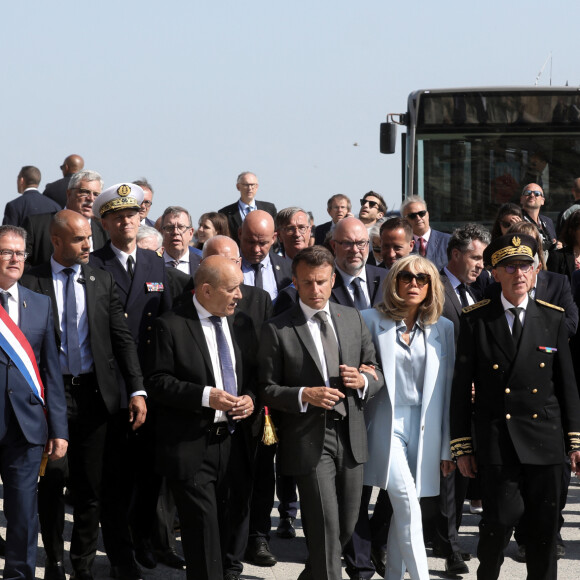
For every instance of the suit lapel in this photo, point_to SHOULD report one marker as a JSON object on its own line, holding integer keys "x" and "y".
{"x": 530, "y": 337}
{"x": 432, "y": 358}
{"x": 142, "y": 268}
{"x": 541, "y": 286}
{"x": 47, "y": 288}
{"x": 499, "y": 331}
{"x": 451, "y": 295}
{"x": 340, "y": 292}
{"x": 373, "y": 283}
{"x": 387, "y": 339}
{"x": 301, "y": 329}
{"x": 238, "y": 353}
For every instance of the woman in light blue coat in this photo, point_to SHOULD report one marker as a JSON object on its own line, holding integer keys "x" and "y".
{"x": 408, "y": 421}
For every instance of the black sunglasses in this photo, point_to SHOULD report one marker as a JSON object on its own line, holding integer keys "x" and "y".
{"x": 407, "y": 277}
{"x": 416, "y": 214}
{"x": 372, "y": 204}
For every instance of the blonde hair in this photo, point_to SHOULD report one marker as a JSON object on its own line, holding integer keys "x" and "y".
{"x": 394, "y": 307}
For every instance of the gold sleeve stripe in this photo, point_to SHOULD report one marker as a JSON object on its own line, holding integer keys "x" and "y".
{"x": 461, "y": 446}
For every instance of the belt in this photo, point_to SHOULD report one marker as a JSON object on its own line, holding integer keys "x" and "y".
{"x": 80, "y": 380}
{"x": 218, "y": 429}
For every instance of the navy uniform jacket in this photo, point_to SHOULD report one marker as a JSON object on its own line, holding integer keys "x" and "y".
{"x": 526, "y": 408}
{"x": 144, "y": 297}
{"x": 36, "y": 324}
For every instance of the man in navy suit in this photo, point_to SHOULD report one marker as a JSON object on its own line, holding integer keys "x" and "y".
{"x": 429, "y": 243}
{"x": 57, "y": 189}
{"x": 357, "y": 283}
{"x": 26, "y": 421}
{"x": 178, "y": 231}
{"x": 30, "y": 200}
{"x": 247, "y": 184}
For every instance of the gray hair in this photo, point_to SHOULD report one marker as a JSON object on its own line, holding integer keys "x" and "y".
{"x": 148, "y": 232}
{"x": 412, "y": 199}
{"x": 285, "y": 215}
{"x": 142, "y": 182}
{"x": 462, "y": 238}
{"x": 175, "y": 211}
{"x": 85, "y": 175}
{"x": 14, "y": 231}
{"x": 243, "y": 174}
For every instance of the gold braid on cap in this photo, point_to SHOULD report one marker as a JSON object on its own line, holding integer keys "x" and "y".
{"x": 510, "y": 251}
{"x": 119, "y": 203}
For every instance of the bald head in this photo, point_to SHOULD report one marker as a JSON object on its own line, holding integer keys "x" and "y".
{"x": 217, "y": 285}
{"x": 221, "y": 246}
{"x": 70, "y": 234}
{"x": 72, "y": 164}
{"x": 350, "y": 242}
{"x": 256, "y": 236}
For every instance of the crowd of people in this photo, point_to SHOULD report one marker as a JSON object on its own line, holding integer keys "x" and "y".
{"x": 156, "y": 374}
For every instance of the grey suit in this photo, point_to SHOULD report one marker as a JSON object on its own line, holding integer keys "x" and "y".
{"x": 325, "y": 455}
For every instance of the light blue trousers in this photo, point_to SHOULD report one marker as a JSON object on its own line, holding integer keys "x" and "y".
{"x": 405, "y": 547}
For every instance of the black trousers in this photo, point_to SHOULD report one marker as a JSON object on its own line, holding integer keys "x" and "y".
{"x": 202, "y": 505}
{"x": 82, "y": 471}
{"x": 514, "y": 493}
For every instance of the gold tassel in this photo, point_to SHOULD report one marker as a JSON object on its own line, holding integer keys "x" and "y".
{"x": 269, "y": 437}
{"x": 43, "y": 463}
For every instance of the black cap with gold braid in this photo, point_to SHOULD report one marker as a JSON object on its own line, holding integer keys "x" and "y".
{"x": 519, "y": 246}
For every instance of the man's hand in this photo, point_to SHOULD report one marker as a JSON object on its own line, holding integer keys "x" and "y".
{"x": 351, "y": 378}
{"x": 369, "y": 369}
{"x": 447, "y": 467}
{"x": 242, "y": 409}
{"x": 221, "y": 400}
{"x": 324, "y": 397}
{"x": 137, "y": 411}
{"x": 467, "y": 465}
{"x": 575, "y": 462}
{"x": 56, "y": 448}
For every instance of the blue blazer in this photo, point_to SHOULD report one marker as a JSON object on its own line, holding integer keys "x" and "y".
{"x": 379, "y": 412}
{"x": 436, "y": 248}
{"x": 30, "y": 202}
{"x": 36, "y": 323}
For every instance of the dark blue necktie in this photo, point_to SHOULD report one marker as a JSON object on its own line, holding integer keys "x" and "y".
{"x": 73, "y": 349}
{"x": 360, "y": 301}
{"x": 226, "y": 365}
{"x": 4, "y": 300}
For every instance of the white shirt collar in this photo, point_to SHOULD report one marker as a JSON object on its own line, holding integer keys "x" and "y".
{"x": 507, "y": 305}
{"x": 123, "y": 256}
{"x": 310, "y": 312}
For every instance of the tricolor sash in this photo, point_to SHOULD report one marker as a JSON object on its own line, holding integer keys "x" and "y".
{"x": 17, "y": 347}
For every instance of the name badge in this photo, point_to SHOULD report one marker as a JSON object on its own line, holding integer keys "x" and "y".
{"x": 154, "y": 286}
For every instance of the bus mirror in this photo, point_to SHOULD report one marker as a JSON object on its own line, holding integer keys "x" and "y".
{"x": 388, "y": 137}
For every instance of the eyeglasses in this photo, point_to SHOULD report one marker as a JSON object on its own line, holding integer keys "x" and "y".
{"x": 360, "y": 244}
{"x": 249, "y": 184}
{"x": 414, "y": 215}
{"x": 371, "y": 204}
{"x": 168, "y": 229}
{"x": 86, "y": 193}
{"x": 291, "y": 230}
{"x": 407, "y": 277}
{"x": 535, "y": 192}
{"x": 9, "y": 255}
{"x": 523, "y": 268}
{"x": 146, "y": 203}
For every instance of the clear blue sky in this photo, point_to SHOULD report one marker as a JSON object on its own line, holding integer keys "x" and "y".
{"x": 189, "y": 94}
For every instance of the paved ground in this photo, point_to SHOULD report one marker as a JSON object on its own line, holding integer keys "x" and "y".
{"x": 291, "y": 554}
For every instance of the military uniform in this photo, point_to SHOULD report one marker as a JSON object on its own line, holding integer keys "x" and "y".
{"x": 525, "y": 416}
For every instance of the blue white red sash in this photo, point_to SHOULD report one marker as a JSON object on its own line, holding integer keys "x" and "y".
{"x": 17, "y": 347}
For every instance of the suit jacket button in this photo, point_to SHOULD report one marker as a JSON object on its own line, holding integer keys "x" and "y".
{"x": 508, "y": 416}
{"x": 534, "y": 391}
{"x": 126, "y": 315}
{"x": 9, "y": 391}
{"x": 149, "y": 314}
{"x": 148, "y": 342}
{"x": 508, "y": 391}
{"x": 535, "y": 416}
{"x": 148, "y": 328}
{"x": 542, "y": 365}
{"x": 495, "y": 367}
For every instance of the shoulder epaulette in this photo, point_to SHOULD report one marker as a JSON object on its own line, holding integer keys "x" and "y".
{"x": 550, "y": 305}
{"x": 476, "y": 306}
{"x": 159, "y": 253}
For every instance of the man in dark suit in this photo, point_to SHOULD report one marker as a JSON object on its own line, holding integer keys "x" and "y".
{"x": 177, "y": 229}
{"x": 84, "y": 187}
{"x": 146, "y": 203}
{"x": 293, "y": 230}
{"x": 261, "y": 267}
{"x": 57, "y": 189}
{"x": 532, "y": 200}
{"x": 338, "y": 207}
{"x": 429, "y": 243}
{"x": 309, "y": 359}
{"x": 247, "y": 184}
{"x": 201, "y": 392}
{"x": 523, "y": 423}
{"x": 34, "y": 406}
{"x": 141, "y": 281}
{"x": 30, "y": 201}
{"x": 357, "y": 283}
{"x": 91, "y": 332}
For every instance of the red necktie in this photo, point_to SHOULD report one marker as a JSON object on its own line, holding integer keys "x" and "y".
{"x": 422, "y": 247}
